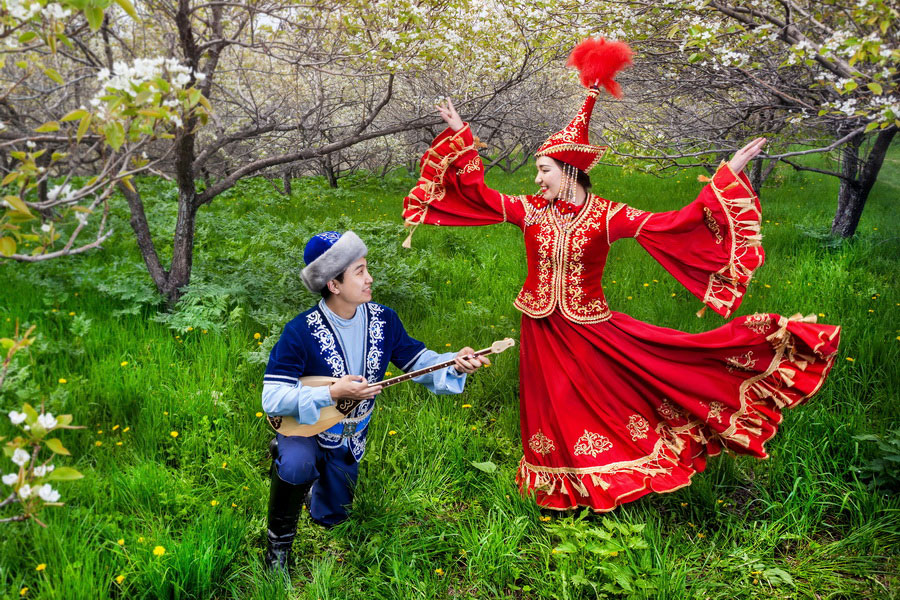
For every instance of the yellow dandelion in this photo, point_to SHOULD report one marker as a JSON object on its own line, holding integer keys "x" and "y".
{"x": 474, "y": 428}
{"x": 224, "y": 464}
{"x": 166, "y": 413}
{"x": 646, "y": 285}
{"x": 703, "y": 535}
{"x": 99, "y": 432}
{"x": 258, "y": 414}
{"x": 213, "y": 502}
{"x": 392, "y": 432}
{"x": 120, "y": 579}
{"x": 720, "y": 501}
{"x": 233, "y": 505}
{"x": 115, "y": 427}
{"x": 673, "y": 295}
{"x": 41, "y": 567}
{"x": 141, "y": 540}
{"x": 124, "y": 363}
{"x": 821, "y": 314}
{"x": 850, "y": 358}
{"x": 118, "y": 443}
{"x": 439, "y": 571}
{"x": 257, "y": 335}
{"x": 174, "y": 434}
{"x": 61, "y": 380}
{"x": 126, "y": 430}
{"x": 468, "y": 302}
{"x": 755, "y": 581}
{"x": 23, "y": 591}
{"x": 120, "y": 541}
{"x": 98, "y": 443}
{"x": 159, "y": 551}
{"x": 387, "y": 373}
{"x": 691, "y": 525}
{"x": 71, "y": 314}
{"x": 628, "y": 298}
{"x": 614, "y": 553}
{"x": 448, "y": 345}
{"x": 545, "y": 519}
{"x": 190, "y": 328}
{"x": 683, "y": 504}
{"x": 205, "y": 331}
{"x": 467, "y": 406}
{"x": 767, "y": 285}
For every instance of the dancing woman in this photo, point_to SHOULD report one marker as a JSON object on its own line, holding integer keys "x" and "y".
{"x": 613, "y": 408}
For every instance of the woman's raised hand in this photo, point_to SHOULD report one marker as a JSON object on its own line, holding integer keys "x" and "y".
{"x": 449, "y": 114}
{"x": 745, "y": 155}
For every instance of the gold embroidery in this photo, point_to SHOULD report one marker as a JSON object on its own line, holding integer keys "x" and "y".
{"x": 759, "y": 323}
{"x": 712, "y": 224}
{"x": 744, "y": 362}
{"x": 633, "y": 213}
{"x": 592, "y": 443}
{"x": 669, "y": 411}
{"x": 470, "y": 167}
{"x": 715, "y": 411}
{"x": 572, "y": 268}
{"x": 541, "y": 444}
{"x": 638, "y": 427}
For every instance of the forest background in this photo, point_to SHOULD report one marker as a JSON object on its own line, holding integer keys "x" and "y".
{"x": 164, "y": 164}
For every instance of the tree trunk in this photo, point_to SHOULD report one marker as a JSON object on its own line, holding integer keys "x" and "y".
{"x": 145, "y": 244}
{"x": 328, "y": 170}
{"x": 182, "y": 248}
{"x": 857, "y": 182}
{"x": 286, "y": 178}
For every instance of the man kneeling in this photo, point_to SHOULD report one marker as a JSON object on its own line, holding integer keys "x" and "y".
{"x": 349, "y": 337}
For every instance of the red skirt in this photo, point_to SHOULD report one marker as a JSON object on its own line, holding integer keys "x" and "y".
{"x": 618, "y": 409}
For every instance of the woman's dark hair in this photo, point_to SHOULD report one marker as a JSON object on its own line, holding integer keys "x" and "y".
{"x": 326, "y": 292}
{"x": 580, "y": 176}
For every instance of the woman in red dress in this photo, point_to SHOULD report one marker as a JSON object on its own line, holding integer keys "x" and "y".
{"x": 613, "y": 408}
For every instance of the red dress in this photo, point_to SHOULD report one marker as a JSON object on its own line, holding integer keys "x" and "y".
{"x": 613, "y": 408}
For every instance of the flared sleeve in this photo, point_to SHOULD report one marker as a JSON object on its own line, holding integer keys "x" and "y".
{"x": 712, "y": 246}
{"x": 451, "y": 188}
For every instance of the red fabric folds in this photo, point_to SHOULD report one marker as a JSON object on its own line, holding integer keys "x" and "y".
{"x": 615, "y": 410}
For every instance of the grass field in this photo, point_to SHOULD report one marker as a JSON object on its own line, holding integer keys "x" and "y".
{"x": 426, "y": 523}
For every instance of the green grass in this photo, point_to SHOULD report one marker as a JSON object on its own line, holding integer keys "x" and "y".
{"x": 426, "y": 523}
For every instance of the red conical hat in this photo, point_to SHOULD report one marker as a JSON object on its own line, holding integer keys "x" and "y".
{"x": 598, "y": 61}
{"x": 571, "y": 144}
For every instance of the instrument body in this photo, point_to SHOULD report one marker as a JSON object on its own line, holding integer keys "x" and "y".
{"x": 332, "y": 415}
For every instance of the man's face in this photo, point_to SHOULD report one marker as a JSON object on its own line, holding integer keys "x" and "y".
{"x": 357, "y": 285}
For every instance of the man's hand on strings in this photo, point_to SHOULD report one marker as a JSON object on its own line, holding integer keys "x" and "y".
{"x": 467, "y": 362}
{"x": 745, "y": 155}
{"x": 354, "y": 387}
{"x": 449, "y": 114}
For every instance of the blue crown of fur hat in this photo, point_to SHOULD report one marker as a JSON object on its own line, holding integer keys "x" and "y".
{"x": 327, "y": 255}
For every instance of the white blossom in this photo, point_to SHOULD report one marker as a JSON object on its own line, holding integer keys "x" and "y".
{"x": 55, "y": 11}
{"x": 16, "y": 417}
{"x": 10, "y": 479}
{"x": 24, "y": 491}
{"x": 20, "y": 457}
{"x": 47, "y": 493}
{"x": 40, "y": 471}
{"x": 47, "y": 421}
{"x": 82, "y": 218}
{"x": 46, "y": 227}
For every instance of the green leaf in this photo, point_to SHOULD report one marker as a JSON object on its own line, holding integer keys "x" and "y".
{"x": 777, "y": 576}
{"x": 48, "y": 126}
{"x": 64, "y": 420}
{"x": 54, "y": 75}
{"x": 6, "y": 342}
{"x": 94, "y": 16}
{"x": 850, "y": 86}
{"x": 7, "y": 246}
{"x": 115, "y": 134}
{"x": 875, "y": 87}
{"x": 487, "y": 467}
{"x": 75, "y": 115}
{"x": 83, "y": 127}
{"x": 30, "y": 414}
{"x": 56, "y": 446}
{"x": 566, "y": 548}
{"x": 64, "y": 474}
{"x": 128, "y": 7}
{"x": 17, "y": 203}
{"x": 871, "y": 126}
{"x": 27, "y": 37}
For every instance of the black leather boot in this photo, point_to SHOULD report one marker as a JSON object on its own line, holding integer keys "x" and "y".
{"x": 285, "y": 502}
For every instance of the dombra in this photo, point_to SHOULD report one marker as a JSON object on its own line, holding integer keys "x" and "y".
{"x": 332, "y": 415}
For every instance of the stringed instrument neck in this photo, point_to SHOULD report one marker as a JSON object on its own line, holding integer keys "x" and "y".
{"x": 407, "y": 376}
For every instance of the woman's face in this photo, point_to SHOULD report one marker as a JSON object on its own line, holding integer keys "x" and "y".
{"x": 549, "y": 177}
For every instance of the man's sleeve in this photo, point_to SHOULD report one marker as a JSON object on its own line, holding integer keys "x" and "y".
{"x": 283, "y": 394}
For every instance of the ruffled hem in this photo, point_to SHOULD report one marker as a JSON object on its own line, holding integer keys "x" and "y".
{"x": 804, "y": 354}
{"x": 741, "y": 211}
{"x": 443, "y": 152}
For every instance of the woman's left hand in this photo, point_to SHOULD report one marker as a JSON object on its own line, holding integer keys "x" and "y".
{"x": 745, "y": 155}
